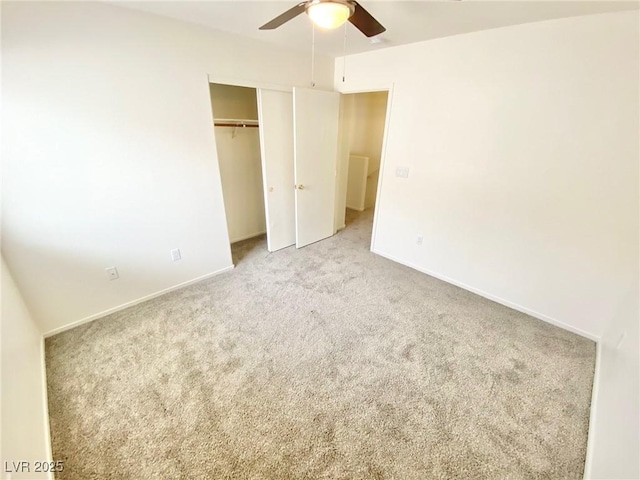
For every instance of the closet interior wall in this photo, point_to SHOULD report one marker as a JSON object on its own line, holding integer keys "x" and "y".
{"x": 238, "y": 151}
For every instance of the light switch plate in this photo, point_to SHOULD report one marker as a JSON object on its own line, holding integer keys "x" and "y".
{"x": 402, "y": 172}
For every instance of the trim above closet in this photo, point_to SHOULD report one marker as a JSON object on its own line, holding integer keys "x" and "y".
{"x": 238, "y": 82}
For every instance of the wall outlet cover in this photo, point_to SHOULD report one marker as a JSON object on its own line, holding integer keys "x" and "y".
{"x": 112, "y": 273}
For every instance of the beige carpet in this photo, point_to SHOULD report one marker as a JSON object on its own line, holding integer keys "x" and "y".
{"x": 326, "y": 362}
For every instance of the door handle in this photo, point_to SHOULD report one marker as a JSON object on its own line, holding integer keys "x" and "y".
{"x": 300, "y": 187}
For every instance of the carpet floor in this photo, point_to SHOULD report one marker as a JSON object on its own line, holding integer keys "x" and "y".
{"x": 327, "y": 362}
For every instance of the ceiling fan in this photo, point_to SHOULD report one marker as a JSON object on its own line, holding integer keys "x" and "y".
{"x": 331, "y": 14}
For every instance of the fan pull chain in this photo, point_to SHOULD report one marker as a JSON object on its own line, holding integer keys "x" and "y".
{"x": 344, "y": 54}
{"x": 313, "y": 54}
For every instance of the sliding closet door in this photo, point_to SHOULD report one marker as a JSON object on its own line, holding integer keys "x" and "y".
{"x": 315, "y": 120}
{"x": 275, "y": 113}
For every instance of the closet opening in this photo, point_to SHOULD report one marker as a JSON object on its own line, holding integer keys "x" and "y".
{"x": 364, "y": 122}
{"x": 235, "y": 114}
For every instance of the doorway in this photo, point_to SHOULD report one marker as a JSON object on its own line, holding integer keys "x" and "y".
{"x": 363, "y": 129}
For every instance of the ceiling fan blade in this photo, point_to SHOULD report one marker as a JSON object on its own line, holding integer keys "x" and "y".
{"x": 364, "y": 22}
{"x": 285, "y": 17}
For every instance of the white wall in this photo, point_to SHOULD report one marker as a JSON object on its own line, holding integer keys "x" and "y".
{"x": 239, "y": 159}
{"x": 370, "y": 110}
{"x": 345, "y": 134}
{"x": 109, "y": 153}
{"x": 231, "y": 101}
{"x": 25, "y": 425}
{"x": 614, "y": 443}
{"x": 241, "y": 175}
{"x": 522, "y": 144}
{"x": 357, "y": 182}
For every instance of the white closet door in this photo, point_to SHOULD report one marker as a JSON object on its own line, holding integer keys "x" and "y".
{"x": 315, "y": 120}
{"x": 275, "y": 113}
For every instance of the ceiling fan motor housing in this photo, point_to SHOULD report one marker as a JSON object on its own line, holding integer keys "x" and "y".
{"x": 329, "y": 14}
{"x": 349, "y": 4}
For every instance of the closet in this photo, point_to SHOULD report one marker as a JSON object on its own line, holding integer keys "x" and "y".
{"x": 236, "y": 127}
{"x": 277, "y": 151}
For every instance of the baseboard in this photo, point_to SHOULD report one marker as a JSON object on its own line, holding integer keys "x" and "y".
{"x": 45, "y": 408}
{"x": 596, "y": 377}
{"x": 109, "y": 311}
{"x": 494, "y": 298}
{"x": 593, "y": 413}
{"x": 247, "y": 237}
{"x": 357, "y": 209}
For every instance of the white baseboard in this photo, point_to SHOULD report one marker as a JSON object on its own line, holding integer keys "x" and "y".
{"x": 494, "y": 298}
{"x": 592, "y": 413}
{"x": 545, "y": 318}
{"x": 45, "y": 408}
{"x": 109, "y": 311}
{"x": 247, "y": 237}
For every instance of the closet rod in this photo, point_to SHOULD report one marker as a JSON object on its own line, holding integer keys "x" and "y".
{"x": 235, "y": 124}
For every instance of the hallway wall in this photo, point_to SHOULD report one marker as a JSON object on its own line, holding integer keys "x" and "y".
{"x": 370, "y": 111}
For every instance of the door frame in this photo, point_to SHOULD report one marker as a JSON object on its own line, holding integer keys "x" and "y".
{"x": 388, "y": 87}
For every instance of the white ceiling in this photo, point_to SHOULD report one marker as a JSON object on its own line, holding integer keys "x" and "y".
{"x": 406, "y": 21}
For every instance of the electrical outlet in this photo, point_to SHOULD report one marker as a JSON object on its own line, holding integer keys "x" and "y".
{"x": 419, "y": 240}
{"x": 112, "y": 273}
{"x": 402, "y": 172}
{"x": 175, "y": 254}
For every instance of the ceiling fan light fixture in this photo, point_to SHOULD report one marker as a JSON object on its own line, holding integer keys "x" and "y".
{"x": 329, "y": 14}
